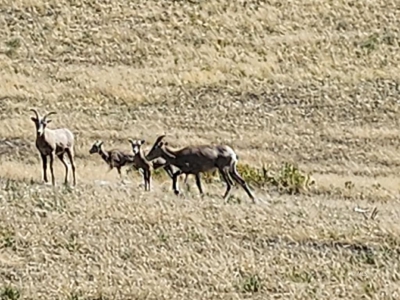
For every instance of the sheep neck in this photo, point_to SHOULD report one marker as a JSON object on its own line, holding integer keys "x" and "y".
{"x": 104, "y": 155}
{"x": 169, "y": 155}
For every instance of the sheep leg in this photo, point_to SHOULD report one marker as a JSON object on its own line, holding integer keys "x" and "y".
{"x": 70, "y": 155}
{"x": 169, "y": 171}
{"x": 228, "y": 182}
{"x": 61, "y": 157}
{"x": 175, "y": 181}
{"x": 149, "y": 179}
{"x": 198, "y": 183}
{"x": 53, "y": 180}
{"x": 186, "y": 177}
{"x": 185, "y": 181}
{"x": 144, "y": 178}
{"x": 228, "y": 178}
{"x": 235, "y": 175}
{"x": 44, "y": 165}
{"x": 119, "y": 172}
{"x": 147, "y": 176}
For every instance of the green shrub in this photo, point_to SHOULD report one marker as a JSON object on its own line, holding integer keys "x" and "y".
{"x": 287, "y": 179}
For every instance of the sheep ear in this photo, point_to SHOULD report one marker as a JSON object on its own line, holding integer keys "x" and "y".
{"x": 166, "y": 144}
{"x": 142, "y": 142}
{"x": 48, "y": 121}
{"x": 34, "y": 119}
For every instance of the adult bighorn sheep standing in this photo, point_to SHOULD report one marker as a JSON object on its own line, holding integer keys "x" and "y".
{"x": 197, "y": 159}
{"x": 53, "y": 142}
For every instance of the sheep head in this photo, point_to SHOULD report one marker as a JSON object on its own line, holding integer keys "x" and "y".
{"x": 136, "y": 144}
{"x": 96, "y": 147}
{"x": 41, "y": 122}
{"x": 156, "y": 150}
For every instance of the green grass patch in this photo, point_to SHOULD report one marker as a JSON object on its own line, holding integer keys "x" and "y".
{"x": 287, "y": 179}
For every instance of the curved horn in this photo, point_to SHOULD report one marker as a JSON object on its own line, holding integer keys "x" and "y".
{"x": 36, "y": 113}
{"x": 159, "y": 139}
{"x": 48, "y": 114}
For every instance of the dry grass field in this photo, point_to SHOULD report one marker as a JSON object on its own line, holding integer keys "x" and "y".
{"x": 310, "y": 83}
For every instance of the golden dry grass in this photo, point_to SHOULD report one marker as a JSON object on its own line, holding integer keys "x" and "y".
{"x": 314, "y": 83}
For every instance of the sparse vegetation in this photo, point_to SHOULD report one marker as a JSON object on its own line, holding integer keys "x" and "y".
{"x": 9, "y": 293}
{"x": 300, "y": 90}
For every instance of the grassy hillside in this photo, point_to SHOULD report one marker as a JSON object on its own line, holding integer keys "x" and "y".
{"x": 310, "y": 83}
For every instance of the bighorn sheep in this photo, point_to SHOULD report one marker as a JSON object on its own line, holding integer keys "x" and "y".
{"x": 156, "y": 163}
{"x": 197, "y": 159}
{"x": 118, "y": 158}
{"x": 115, "y": 158}
{"x": 52, "y": 142}
{"x": 140, "y": 162}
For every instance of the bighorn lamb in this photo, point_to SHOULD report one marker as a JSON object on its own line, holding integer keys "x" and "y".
{"x": 52, "y": 142}
{"x": 118, "y": 158}
{"x": 140, "y": 162}
{"x": 156, "y": 163}
{"x": 197, "y": 159}
{"x": 115, "y": 158}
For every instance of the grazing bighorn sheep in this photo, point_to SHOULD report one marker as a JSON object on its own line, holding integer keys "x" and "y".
{"x": 52, "y": 142}
{"x": 197, "y": 159}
